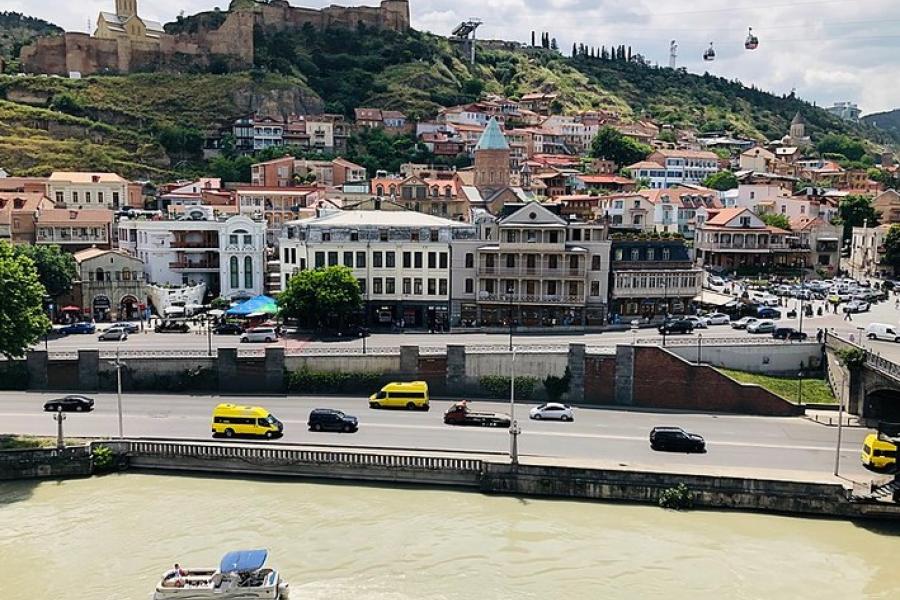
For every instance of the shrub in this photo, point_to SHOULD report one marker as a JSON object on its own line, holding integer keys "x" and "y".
{"x": 557, "y": 386}
{"x": 306, "y": 380}
{"x": 676, "y": 498}
{"x": 852, "y": 358}
{"x": 13, "y": 375}
{"x": 497, "y": 386}
{"x": 103, "y": 458}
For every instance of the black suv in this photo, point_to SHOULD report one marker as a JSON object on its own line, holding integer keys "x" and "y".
{"x": 788, "y": 333}
{"x": 329, "y": 419}
{"x": 172, "y": 327}
{"x": 676, "y": 439}
{"x": 679, "y": 326}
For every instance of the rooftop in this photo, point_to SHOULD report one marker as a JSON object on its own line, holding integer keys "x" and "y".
{"x": 85, "y": 177}
{"x": 492, "y": 138}
{"x": 378, "y": 218}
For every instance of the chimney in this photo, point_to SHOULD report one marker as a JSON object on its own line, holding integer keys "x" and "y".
{"x": 95, "y": 179}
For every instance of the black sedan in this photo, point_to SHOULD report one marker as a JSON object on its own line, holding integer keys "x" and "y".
{"x": 789, "y": 333}
{"x": 676, "y": 439}
{"x": 228, "y": 329}
{"x": 72, "y": 403}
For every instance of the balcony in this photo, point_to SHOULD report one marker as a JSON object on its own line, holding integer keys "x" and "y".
{"x": 205, "y": 243}
{"x": 200, "y": 265}
{"x": 732, "y": 247}
{"x": 538, "y": 271}
{"x": 532, "y": 298}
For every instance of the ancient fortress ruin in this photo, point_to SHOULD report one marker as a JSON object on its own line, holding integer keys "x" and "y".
{"x": 125, "y": 43}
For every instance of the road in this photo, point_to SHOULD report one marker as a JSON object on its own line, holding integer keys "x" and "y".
{"x": 739, "y": 442}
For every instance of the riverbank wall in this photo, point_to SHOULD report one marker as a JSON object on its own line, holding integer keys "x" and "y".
{"x": 492, "y": 474}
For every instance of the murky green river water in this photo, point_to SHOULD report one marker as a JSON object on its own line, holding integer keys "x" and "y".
{"x": 110, "y": 538}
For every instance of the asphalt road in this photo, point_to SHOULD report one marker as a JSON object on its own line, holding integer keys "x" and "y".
{"x": 764, "y": 443}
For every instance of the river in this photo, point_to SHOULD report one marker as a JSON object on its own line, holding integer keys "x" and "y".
{"x": 109, "y": 538}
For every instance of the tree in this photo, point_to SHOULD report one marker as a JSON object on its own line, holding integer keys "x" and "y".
{"x": 722, "y": 181}
{"x": 776, "y": 220}
{"x": 56, "y": 269}
{"x": 892, "y": 247}
{"x": 854, "y": 211}
{"x": 321, "y": 297}
{"x": 553, "y": 45}
{"x": 610, "y": 144}
{"x": 574, "y": 49}
{"x": 834, "y": 143}
{"x": 22, "y": 319}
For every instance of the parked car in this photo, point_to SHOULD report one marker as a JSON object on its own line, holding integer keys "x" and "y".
{"x": 717, "y": 319}
{"x": 228, "y": 329}
{"x": 762, "y": 326}
{"x": 679, "y": 326}
{"x": 128, "y": 327}
{"x": 676, "y": 439}
{"x": 172, "y": 327}
{"x": 881, "y": 331}
{"x": 552, "y": 411}
{"x": 768, "y": 313}
{"x": 329, "y": 419}
{"x": 78, "y": 328}
{"x": 73, "y": 403}
{"x": 788, "y": 333}
{"x": 743, "y": 322}
{"x": 259, "y": 334}
{"x": 856, "y": 306}
{"x": 697, "y": 322}
{"x": 347, "y": 333}
{"x": 113, "y": 334}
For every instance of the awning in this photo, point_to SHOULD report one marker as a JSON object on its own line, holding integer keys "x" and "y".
{"x": 260, "y": 304}
{"x": 71, "y": 309}
{"x": 243, "y": 561}
{"x": 173, "y": 310}
{"x": 827, "y": 239}
{"x": 713, "y": 299}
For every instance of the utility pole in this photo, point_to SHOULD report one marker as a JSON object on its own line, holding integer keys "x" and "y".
{"x": 59, "y": 416}
{"x": 837, "y": 451}
{"x": 800, "y": 266}
{"x": 510, "y": 291}
{"x": 118, "y": 365}
{"x": 513, "y": 424}
{"x": 699, "y": 347}
{"x": 800, "y": 386}
{"x": 208, "y": 335}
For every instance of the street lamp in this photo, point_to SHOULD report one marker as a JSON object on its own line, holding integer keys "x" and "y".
{"x": 208, "y": 335}
{"x": 800, "y": 387}
{"x": 514, "y": 430}
{"x": 666, "y": 311}
{"x": 118, "y": 365}
{"x": 837, "y": 451}
{"x": 509, "y": 293}
{"x": 699, "y": 347}
{"x": 802, "y": 294}
{"x": 59, "y": 416}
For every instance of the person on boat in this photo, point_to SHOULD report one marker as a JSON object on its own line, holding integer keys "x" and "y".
{"x": 176, "y": 574}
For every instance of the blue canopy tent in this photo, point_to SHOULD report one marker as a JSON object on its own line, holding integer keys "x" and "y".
{"x": 243, "y": 561}
{"x": 260, "y": 304}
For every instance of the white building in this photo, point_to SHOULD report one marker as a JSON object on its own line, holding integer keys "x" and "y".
{"x": 400, "y": 258}
{"x": 89, "y": 190}
{"x": 668, "y": 168}
{"x": 229, "y": 256}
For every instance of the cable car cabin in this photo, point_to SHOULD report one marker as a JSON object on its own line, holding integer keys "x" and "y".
{"x": 752, "y": 42}
{"x": 710, "y": 54}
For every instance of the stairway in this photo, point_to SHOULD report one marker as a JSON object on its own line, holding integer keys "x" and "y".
{"x": 879, "y": 492}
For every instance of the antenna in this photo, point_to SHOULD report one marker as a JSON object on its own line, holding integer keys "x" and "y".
{"x": 89, "y": 23}
{"x": 673, "y": 54}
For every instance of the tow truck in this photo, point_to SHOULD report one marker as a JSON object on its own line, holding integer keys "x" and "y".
{"x": 460, "y": 414}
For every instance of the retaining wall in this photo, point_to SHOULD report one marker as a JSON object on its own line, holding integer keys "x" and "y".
{"x": 772, "y": 359}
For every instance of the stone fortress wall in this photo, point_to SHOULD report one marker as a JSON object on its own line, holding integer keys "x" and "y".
{"x": 229, "y": 47}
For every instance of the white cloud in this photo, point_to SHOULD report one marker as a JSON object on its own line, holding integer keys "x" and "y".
{"x": 828, "y": 50}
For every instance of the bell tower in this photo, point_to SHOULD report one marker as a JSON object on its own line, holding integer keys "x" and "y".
{"x": 126, "y": 9}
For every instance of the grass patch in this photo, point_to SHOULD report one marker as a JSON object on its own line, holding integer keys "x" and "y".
{"x": 24, "y": 442}
{"x": 815, "y": 390}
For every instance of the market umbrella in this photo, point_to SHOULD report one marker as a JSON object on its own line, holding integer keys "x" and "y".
{"x": 71, "y": 309}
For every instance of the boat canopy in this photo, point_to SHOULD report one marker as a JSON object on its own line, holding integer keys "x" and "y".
{"x": 243, "y": 561}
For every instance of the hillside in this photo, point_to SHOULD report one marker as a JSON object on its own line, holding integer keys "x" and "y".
{"x": 17, "y": 30}
{"x": 889, "y": 122}
{"x": 142, "y": 124}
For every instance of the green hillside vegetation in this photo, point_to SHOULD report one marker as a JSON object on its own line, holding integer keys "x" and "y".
{"x": 153, "y": 124}
{"x": 888, "y": 122}
{"x": 17, "y": 30}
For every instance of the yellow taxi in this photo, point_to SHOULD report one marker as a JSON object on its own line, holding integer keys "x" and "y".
{"x": 878, "y": 453}
{"x": 412, "y": 395}
{"x": 232, "y": 419}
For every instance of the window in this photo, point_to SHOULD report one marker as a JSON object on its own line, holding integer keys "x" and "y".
{"x": 745, "y": 221}
{"x": 360, "y": 260}
{"x": 510, "y": 261}
{"x": 442, "y": 287}
{"x": 407, "y": 260}
{"x": 87, "y": 197}
{"x": 512, "y": 236}
{"x": 573, "y": 262}
{"x": 651, "y": 253}
{"x": 443, "y": 260}
{"x": 332, "y": 259}
{"x": 390, "y": 285}
{"x": 233, "y": 268}
{"x": 576, "y": 235}
{"x": 531, "y": 236}
{"x": 354, "y": 236}
{"x": 376, "y": 260}
{"x": 595, "y": 288}
{"x": 287, "y": 255}
{"x": 348, "y": 259}
{"x": 377, "y": 285}
{"x": 60, "y": 198}
{"x": 417, "y": 286}
{"x": 248, "y": 272}
{"x": 383, "y": 234}
{"x": 407, "y": 286}
{"x": 75, "y": 197}
{"x": 666, "y": 253}
{"x": 470, "y": 286}
{"x": 595, "y": 262}
{"x": 326, "y": 236}
{"x": 470, "y": 260}
{"x": 434, "y": 235}
{"x": 432, "y": 286}
{"x": 635, "y": 254}
{"x": 418, "y": 260}
{"x": 362, "y": 285}
{"x": 432, "y": 260}
{"x": 390, "y": 260}
{"x": 552, "y": 262}
{"x": 551, "y": 288}
{"x": 414, "y": 235}
{"x": 320, "y": 260}
{"x": 232, "y": 239}
{"x": 554, "y": 237}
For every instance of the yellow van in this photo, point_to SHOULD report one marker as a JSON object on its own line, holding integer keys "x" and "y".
{"x": 231, "y": 420}
{"x": 412, "y": 395}
{"x": 877, "y": 453}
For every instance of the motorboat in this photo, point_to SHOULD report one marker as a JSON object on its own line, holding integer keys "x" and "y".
{"x": 241, "y": 576}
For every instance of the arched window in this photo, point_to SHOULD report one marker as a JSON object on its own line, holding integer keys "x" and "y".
{"x": 233, "y": 268}
{"x": 99, "y": 274}
{"x": 248, "y": 272}
{"x": 448, "y": 191}
{"x": 379, "y": 190}
{"x": 434, "y": 190}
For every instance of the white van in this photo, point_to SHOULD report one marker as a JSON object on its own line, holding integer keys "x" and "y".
{"x": 260, "y": 334}
{"x": 880, "y": 331}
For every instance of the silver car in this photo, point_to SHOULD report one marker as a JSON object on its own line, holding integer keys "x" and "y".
{"x": 113, "y": 334}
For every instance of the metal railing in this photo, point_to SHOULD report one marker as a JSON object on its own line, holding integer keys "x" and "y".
{"x": 883, "y": 365}
{"x": 533, "y": 298}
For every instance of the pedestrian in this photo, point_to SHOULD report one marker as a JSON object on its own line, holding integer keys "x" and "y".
{"x": 847, "y": 316}
{"x": 819, "y": 335}
{"x": 896, "y": 303}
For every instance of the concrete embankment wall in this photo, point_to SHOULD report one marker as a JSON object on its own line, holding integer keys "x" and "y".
{"x": 768, "y": 359}
{"x": 488, "y": 475}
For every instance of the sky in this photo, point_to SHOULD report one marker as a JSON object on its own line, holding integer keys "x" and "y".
{"x": 826, "y": 50}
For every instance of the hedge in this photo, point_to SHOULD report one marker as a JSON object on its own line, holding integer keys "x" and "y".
{"x": 13, "y": 375}
{"x": 497, "y": 386}
{"x": 332, "y": 382}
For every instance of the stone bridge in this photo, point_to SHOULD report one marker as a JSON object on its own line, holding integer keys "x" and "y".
{"x": 871, "y": 388}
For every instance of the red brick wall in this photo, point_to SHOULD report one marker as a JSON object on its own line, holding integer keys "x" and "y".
{"x": 599, "y": 379}
{"x": 662, "y": 380}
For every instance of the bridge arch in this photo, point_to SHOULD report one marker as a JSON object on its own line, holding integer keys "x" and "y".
{"x": 883, "y": 403}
